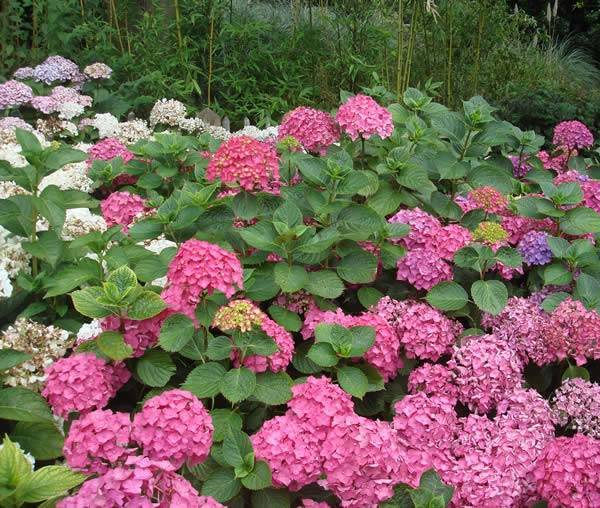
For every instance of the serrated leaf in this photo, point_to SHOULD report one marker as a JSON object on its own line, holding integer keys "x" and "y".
{"x": 236, "y": 448}
{"x": 573, "y": 371}
{"x": 447, "y": 296}
{"x": 145, "y": 306}
{"x": 353, "y": 381}
{"x": 85, "y": 302}
{"x": 286, "y": 318}
{"x": 42, "y": 439}
{"x": 219, "y": 348}
{"x": 176, "y": 331}
{"x": 273, "y": 388}
{"x": 324, "y": 283}
{"x": 557, "y": 274}
{"x": 222, "y": 485}
{"x": 48, "y": 482}
{"x": 224, "y": 420}
{"x": 11, "y": 357}
{"x": 23, "y": 405}
{"x": 259, "y": 478}
{"x": 155, "y": 368}
{"x": 322, "y": 354}
{"x": 359, "y": 267}
{"x": 205, "y": 380}
{"x": 238, "y": 384}
{"x": 123, "y": 278}
{"x": 113, "y": 345}
{"x": 489, "y": 295}
{"x": 271, "y": 498}
{"x": 290, "y": 278}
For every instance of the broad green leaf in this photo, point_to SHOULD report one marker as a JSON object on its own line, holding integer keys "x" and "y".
{"x": 288, "y": 319}
{"x": 124, "y": 279}
{"x": 557, "y": 274}
{"x": 29, "y": 143}
{"x": 48, "y": 482}
{"x": 155, "y": 368}
{"x": 113, "y": 345}
{"x": 358, "y": 267}
{"x": 369, "y": 297}
{"x": 236, "y": 448}
{"x": 322, "y": 354}
{"x": 14, "y": 466}
{"x": 63, "y": 156}
{"x": 431, "y": 482}
{"x": 205, "y": 380}
{"x": 238, "y": 384}
{"x": 245, "y": 205}
{"x": 70, "y": 277}
{"x": 447, "y": 296}
{"x": 148, "y": 304}
{"x": 271, "y": 498}
{"x": 85, "y": 302}
{"x": 290, "y": 278}
{"x": 219, "y": 348}
{"x": 288, "y": 214}
{"x": 573, "y": 371}
{"x": 259, "y": 478}
{"x": 353, "y": 381}
{"x": 222, "y": 485}
{"x": 175, "y": 332}
{"x": 552, "y": 301}
{"x": 273, "y": 388}
{"x": 23, "y": 405}
{"x": 11, "y": 357}
{"x": 362, "y": 338}
{"x": 324, "y": 283}
{"x": 42, "y": 439}
{"x": 224, "y": 420}
{"x": 579, "y": 221}
{"x": 489, "y": 295}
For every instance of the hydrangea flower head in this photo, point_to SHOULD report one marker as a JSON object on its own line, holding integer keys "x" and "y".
{"x": 450, "y": 239}
{"x": 572, "y": 135}
{"x": 488, "y": 199}
{"x": 517, "y": 226}
{"x": 14, "y": 94}
{"x": 434, "y": 380}
{"x": 277, "y": 361}
{"x": 315, "y": 130}
{"x": 167, "y": 112}
{"x": 97, "y": 441}
{"x": 121, "y": 208}
{"x": 242, "y": 315}
{"x": 556, "y": 161}
{"x": 360, "y": 116}
{"x": 81, "y": 382}
{"x": 56, "y": 68}
{"x": 490, "y": 233}
{"x": 245, "y": 162}
{"x": 174, "y": 426}
{"x": 139, "y": 334}
{"x": 423, "y": 268}
{"x": 534, "y": 248}
{"x": 577, "y": 403}
{"x": 98, "y": 70}
{"x": 23, "y": 73}
{"x": 424, "y": 228}
{"x": 108, "y": 149}
{"x": 520, "y": 166}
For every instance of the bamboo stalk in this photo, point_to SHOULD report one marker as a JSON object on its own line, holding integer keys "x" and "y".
{"x": 82, "y": 9}
{"x": 449, "y": 19}
{"x": 478, "y": 50}
{"x": 399, "y": 47}
{"x": 178, "y": 25}
{"x": 210, "y": 56}
{"x": 116, "y": 18}
{"x": 410, "y": 49}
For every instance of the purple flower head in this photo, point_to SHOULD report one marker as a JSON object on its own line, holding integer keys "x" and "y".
{"x": 534, "y": 248}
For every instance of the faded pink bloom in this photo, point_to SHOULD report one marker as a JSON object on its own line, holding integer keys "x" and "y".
{"x": 423, "y": 268}
{"x": 360, "y": 116}
{"x": 14, "y": 94}
{"x": 488, "y": 199}
{"x": 434, "y": 380}
{"x": 576, "y": 403}
{"x": 572, "y": 135}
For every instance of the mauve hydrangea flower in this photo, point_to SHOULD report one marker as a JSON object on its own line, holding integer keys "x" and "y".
{"x": 245, "y": 162}
{"x": 174, "y": 426}
{"x": 315, "y": 130}
{"x": 572, "y": 135}
{"x": 488, "y": 199}
{"x": 98, "y": 441}
{"x": 139, "y": 334}
{"x": 424, "y": 332}
{"x": 424, "y": 228}
{"x": 426, "y": 427}
{"x": 520, "y": 166}
{"x": 517, "y": 226}
{"x": 534, "y": 248}
{"x": 55, "y": 68}
{"x": 576, "y": 403}
{"x": 486, "y": 370}
{"x": 14, "y": 94}
{"x": 82, "y": 382}
{"x": 567, "y": 473}
{"x": 200, "y": 267}
{"x": 23, "y": 73}
{"x": 360, "y": 116}
{"x": 423, "y": 268}
{"x": 121, "y": 208}
{"x": 107, "y": 150}
{"x": 433, "y": 380}
{"x": 557, "y": 162}
{"x": 98, "y": 70}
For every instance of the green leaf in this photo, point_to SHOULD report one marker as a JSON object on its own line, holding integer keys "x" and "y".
{"x": 113, "y": 345}
{"x": 148, "y": 304}
{"x": 63, "y": 156}
{"x": 155, "y": 368}
{"x": 324, "y": 283}
{"x": 236, "y": 448}
{"x": 205, "y": 380}
{"x": 270, "y": 498}
{"x": 572, "y": 372}
{"x": 447, "y": 296}
{"x": 29, "y": 143}
{"x": 358, "y": 267}
{"x": 11, "y": 357}
{"x": 14, "y": 466}
{"x": 223, "y": 421}
{"x": 23, "y": 405}
{"x": 124, "y": 279}
{"x": 238, "y": 384}
{"x": 288, "y": 214}
{"x": 219, "y": 348}
{"x": 48, "y": 482}
{"x": 489, "y": 295}
{"x": 42, "y": 439}
{"x": 175, "y": 332}
{"x": 551, "y": 302}
{"x": 580, "y": 221}
{"x": 255, "y": 342}
{"x": 290, "y": 278}
{"x": 558, "y": 246}
{"x": 222, "y": 485}
{"x": 587, "y": 290}
{"x": 245, "y": 205}
{"x": 288, "y": 319}
{"x": 85, "y": 302}
{"x": 362, "y": 338}
{"x": 358, "y": 222}
{"x": 488, "y": 174}
{"x": 557, "y": 274}
{"x": 353, "y": 381}
{"x": 322, "y": 354}
{"x": 70, "y": 277}
{"x": 259, "y": 478}
{"x": 261, "y": 236}
{"x": 431, "y": 482}
{"x": 509, "y": 257}
{"x": 368, "y": 297}
{"x": 273, "y": 388}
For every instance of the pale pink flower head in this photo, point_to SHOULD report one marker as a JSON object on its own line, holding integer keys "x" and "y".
{"x": 245, "y": 162}
{"x": 360, "y": 116}
{"x": 424, "y": 228}
{"x": 488, "y": 199}
{"x": 108, "y": 149}
{"x": 174, "y": 426}
{"x": 310, "y": 503}
{"x": 567, "y": 474}
{"x": 423, "y": 268}
{"x": 486, "y": 369}
{"x": 200, "y": 267}
{"x": 315, "y": 130}
{"x": 121, "y": 208}
{"x": 14, "y": 94}
{"x": 434, "y": 380}
{"x": 576, "y": 403}
{"x": 98, "y": 441}
{"x": 572, "y": 135}
{"x": 81, "y": 382}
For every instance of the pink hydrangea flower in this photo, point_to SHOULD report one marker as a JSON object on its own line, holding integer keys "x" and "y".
{"x": 81, "y": 382}
{"x": 424, "y": 332}
{"x": 589, "y": 186}
{"x": 488, "y": 199}
{"x": 174, "y": 426}
{"x": 245, "y": 162}
{"x": 107, "y": 150}
{"x": 121, "y": 208}
{"x": 449, "y": 239}
{"x": 98, "y": 441}
{"x": 424, "y": 228}
{"x": 572, "y": 135}
{"x": 14, "y": 94}
{"x": 557, "y": 161}
{"x": 279, "y": 360}
{"x": 434, "y": 380}
{"x": 423, "y": 268}
{"x": 309, "y": 503}
{"x": 567, "y": 473}
{"x": 315, "y": 130}
{"x": 200, "y": 267}
{"x": 517, "y": 226}
{"x": 576, "y": 403}
{"x": 360, "y": 116}
{"x": 140, "y": 335}
{"x": 486, "y": 370}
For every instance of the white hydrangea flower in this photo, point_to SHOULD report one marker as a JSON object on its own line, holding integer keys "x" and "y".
{"x": 105, "y": 123}
{"x": 259, "y": 134}
{"x": 89, "y": 331}
{"x": 167, "y": 112}
{"x": 6, "y": 287}
{"x": 79, "y": 222}
{"x": 11, "y": 153}
{"x": 192, "y": 125}
{"x": 9, "y": 188}
{"x": 70, "y": 110}
{"x": 70, "y": 177}
{"x": 13, "y": 257}
{"x": 157, "y": 245}
{"x": 84, "y": 147}
{"x": 132, "y": 131}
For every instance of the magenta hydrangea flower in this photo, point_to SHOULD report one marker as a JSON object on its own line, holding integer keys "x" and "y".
{"x": 245, "y": 162}
{"x": 360, "y": 116}
{"x": 279, "y": 360}
{"x": 449, "y": 239}
{"x": 577, "y": 404}
{"x": 310, "y": 503}
{"x": 81, "y": 382}
{"x": 556, "y": 161}
{"x": 174, "y": 426}
{"x": 122, "y": 208}
{"x": 200, "y": 267}
{"x": 423, "y": 268}
{"x": 526, "y": 409}
{"x": 486, "y": 370}
{"x": 517, "y": 226}
{"x": 520, "y": 166}
{"x": 56, "y": 68}
{"x": 488, "y": 199}
{"x": 534, "y": 248}
{"x": 424, "y": 332}
{"x": 98, "y": 441}
{"x": 14, "y": 94}
{"x": 108, "y": 149}
{"x": 140, "y": 335}
{"x": 434, "y": 380}
{"x": 315, "y": 130}
{"x": 572, "y": 135}
{"x": 424, "y": 228}
{"x": 567, "y": 473}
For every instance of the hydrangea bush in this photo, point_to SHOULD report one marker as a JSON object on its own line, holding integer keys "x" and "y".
{"x": 388, "y": 305}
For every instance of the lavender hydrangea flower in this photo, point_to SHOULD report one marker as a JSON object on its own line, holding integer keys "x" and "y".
{"x": 534, "y": 248}
{"x": 55, "y": 68}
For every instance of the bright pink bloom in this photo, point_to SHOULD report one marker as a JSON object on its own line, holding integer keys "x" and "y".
{"x": 245, "y": 162}
{"x": 279, "y": 360}
{"x": 424, "y": 228}
{"x": 140, "y": 335}
{"x": 98, "y": 441}
{"x": 174, "y": 426}
{"x": 107, "y": 150}
{"x": 573, "y": 135}
{"x": 309, "y": 503}
{"x": 315, "y": 130}
{"x": 434, "y": 380}
{"x": 122, "y": 208}
{"x": 557, "y": 161}
{"x": 450, "y": 239}
{"x": 423, "y": 268}
{"x": 361, "y": 116}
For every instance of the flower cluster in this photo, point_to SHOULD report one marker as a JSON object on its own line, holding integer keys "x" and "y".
{"x": 98, "y": 70}
{"x": 314, "y": 129}
{"x": 423, "y": 268}
{"x": 108, "y": 149}
{"x": 572, "y": 135}
{"x": 360, "y": 116}
{"x": 66, "y": 101}
{"x": 577, "y": 404}
{"x": 14, "y": 94}
{"x": 534, "y": 248}
{"x": 488, "y": 199}
{"x": 56, "y": 68}
{"x": 140, "y": 335}
{"x": 167, "y": 112}
{"x": 121, "y": 208}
